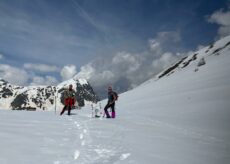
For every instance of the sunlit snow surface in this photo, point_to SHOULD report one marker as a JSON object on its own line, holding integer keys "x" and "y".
{"x": 183, "y": 118}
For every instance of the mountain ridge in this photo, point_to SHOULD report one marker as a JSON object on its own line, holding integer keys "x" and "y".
{"x": 197, "y": 57}
{"x": 43, "y": 97}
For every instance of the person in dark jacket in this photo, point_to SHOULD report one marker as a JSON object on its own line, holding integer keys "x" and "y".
{"x": 111, "y": 103}
{"x": 69, "y": 99}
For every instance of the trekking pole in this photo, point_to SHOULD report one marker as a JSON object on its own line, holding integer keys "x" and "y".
{"x": 92, "y": 110}
{"x": 101, "y": 110}
{"x": 55, "y": 104}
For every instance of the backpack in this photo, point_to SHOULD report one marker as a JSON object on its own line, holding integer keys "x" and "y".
{"x": 115, "y": 95}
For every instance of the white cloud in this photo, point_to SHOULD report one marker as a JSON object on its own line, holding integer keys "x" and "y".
{"x": 13, "y": 75}
{"x": 154, "y": 45}
{"x": 47, "y": 80}
{"x": 19, "y": 76}
{"x": 125, "y": 62}
{"x": 127, "y": 70}
{"x": 86, "y": 71}
{"x": 223, "y": 19}
{"x": 41, "y": 67}
{"x": 103, "y": 78}
{"x": 164, "y": 41}
{"x": 220, "y": 17}
{"x": 68, "y": 72}
{"x": 224, "y": 31}
{"x": 122, "y": 64}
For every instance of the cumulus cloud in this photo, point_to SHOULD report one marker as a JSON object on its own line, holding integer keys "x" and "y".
{"x": 41, "y": 67}
{"x": 18, "y": 76}
{"x": 103, "y": 78}
{"x": 1, "y": 56}
{"x": 98, "y": 78}
{"x": 126, "y": 62}
{"x": 222, "y": 18}
{"x": 68, "y": 72}
{"x": 86, "y": 71}
{"x": 13, "y": 75}
{"x": 47, "y": 80}
{"x": 108, "y": 71}
{"x": 166, "y": 40}
{"x": 126, "y": 70}
{"x": 155, "y": 45}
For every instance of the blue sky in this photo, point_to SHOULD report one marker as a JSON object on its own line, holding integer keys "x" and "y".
{"x": 71, "y": 36}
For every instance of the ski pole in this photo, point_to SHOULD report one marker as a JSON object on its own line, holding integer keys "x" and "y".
{"x": 92, "y": 110}
{"x": 55, "y": 106}
{"x": 100, "y": 109}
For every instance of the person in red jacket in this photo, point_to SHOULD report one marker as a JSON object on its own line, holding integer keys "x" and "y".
{"x": 69, "y": 99}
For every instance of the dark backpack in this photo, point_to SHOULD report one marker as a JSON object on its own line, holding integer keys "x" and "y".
{"x": 115, "y": 95}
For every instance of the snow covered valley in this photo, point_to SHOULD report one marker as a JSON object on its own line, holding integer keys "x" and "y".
{"x": 181, "y": 118}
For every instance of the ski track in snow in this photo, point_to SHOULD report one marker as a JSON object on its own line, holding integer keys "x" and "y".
{"x": 93, "y": 151}
{"x": 82, "y": 142}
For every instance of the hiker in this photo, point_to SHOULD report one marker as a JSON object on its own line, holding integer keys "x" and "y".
{"x": 112, "y": 97}
{"x": 69, "y": 99}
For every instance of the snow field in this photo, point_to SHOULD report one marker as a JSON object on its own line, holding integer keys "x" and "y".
{"x": 178, "y": 119}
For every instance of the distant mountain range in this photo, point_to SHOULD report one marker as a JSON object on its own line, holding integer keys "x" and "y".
{"x": 43, "y": 97}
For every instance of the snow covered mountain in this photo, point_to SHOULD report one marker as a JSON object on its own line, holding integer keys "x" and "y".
{"x": 179, "y": 117}
{"x": 197, "y": 59}
{"x": 42, "y": 97}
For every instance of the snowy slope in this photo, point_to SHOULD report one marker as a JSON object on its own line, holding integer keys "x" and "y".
{"x": 180, "y": 118}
